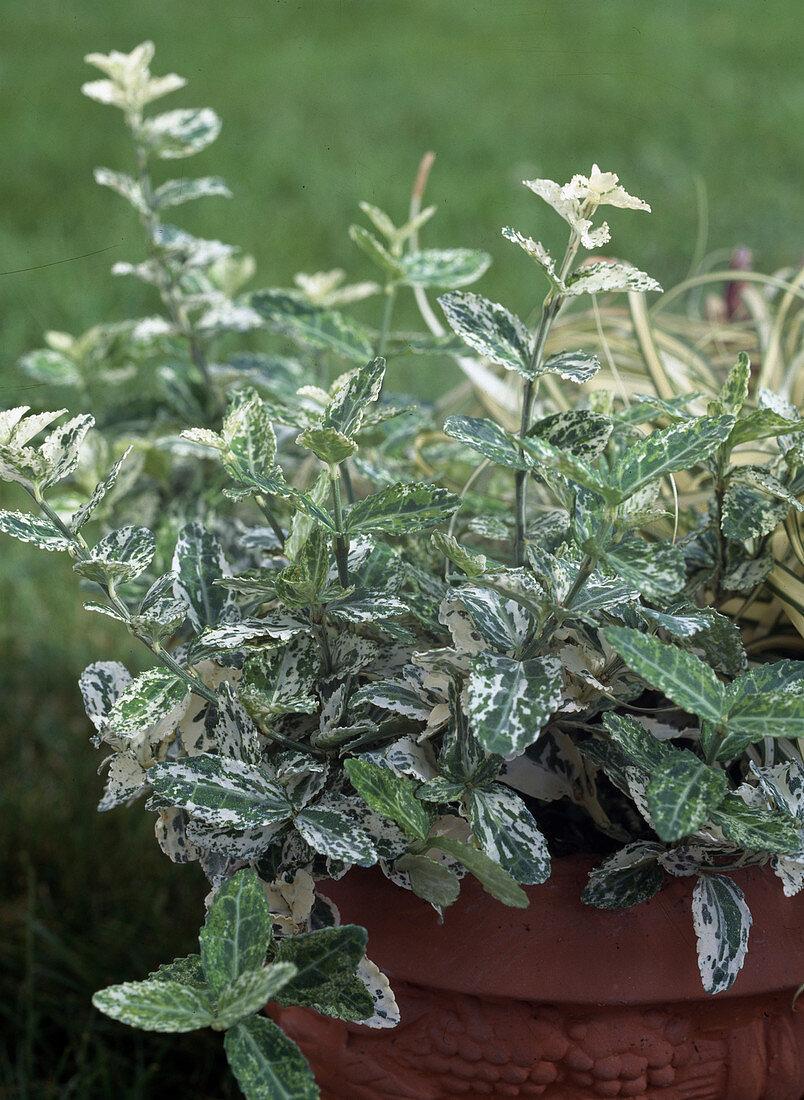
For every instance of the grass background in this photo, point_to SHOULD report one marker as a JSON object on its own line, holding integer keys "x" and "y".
{"x": 324, "y": 103}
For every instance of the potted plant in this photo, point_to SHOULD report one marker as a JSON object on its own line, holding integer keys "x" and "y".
{"x": 463, "y": 667}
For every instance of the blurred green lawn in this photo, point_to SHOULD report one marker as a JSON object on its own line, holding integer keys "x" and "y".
{"x": 324, "y": 103}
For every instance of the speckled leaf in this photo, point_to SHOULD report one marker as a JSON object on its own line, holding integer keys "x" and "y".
{"x": 783, "y": 785}
{"x": 401, "y": 509}
{"x": 627, "y": 878}
{"x": 329, "y": 445}
{"x": 386, "y": 1010}
{"x": 120, "y": 556}
{"x": 748, "y": 514}
{"x": 350, "y": 396}
{"x": 735, "y": 389}
{"x": 321, "y": 329}
{"x": 186, "y": 971}
{"x": 503, "y": 623}
{"x": 575, "y": 366}
{"x": 506, "y": 831}
{"x": 572, "y": 466}
{"x": 430, "y": 880}
{"x": 489, "y": 439}
{"x": 744, "y": 573}
{"x": 469, "y": 561}
{"x": 176, "y": 192}
{"x": 221, "y": 791}
{"x": 249, "y": 993}
{"x": 237, "y": 931}
{"x": 510, "y": 701}
{"x": 101, "y": 685}
{"x": 282, "y": 681}
{"x": 657, "y": 570}
{"x": 752, "y": 717}
{"x": 335, "y": 836}
{"x": 762, "y": 424}
{"x": 713, "y": 634}
{"x": 682, "y": 677}
{"x": 101, "y": 489}
{"x": 50, "y": 366}
{"x": 181, "y": 133}
{"x": 268, "y": 1065}
{"x": 756, "y": 830}
{"x": 376, "y": 252}
{"x": 198, "y": 562}
{"x": 490, "y": 329}
{"x": 249, "y": 433}
{"x": 449, "y": 268}
{"x": 722, "y": 922}
{"x": 682, "y": 793}
{"x": 320, "y": 957}
{"x": 38, "y": 530}
{"x": 61, "y": 449}
{"x": 157, "y": 1005}
{"x": 668, "y": 450}
{"x": 491, "y": 876}
{"x": 397, "y": 697}
{"x": 390, "y": 795}
{"x": 602, "y": 277}
{"x": 578, "y": 430}
{"x": 638, "y": 745}
{"x": 153, "y": 697}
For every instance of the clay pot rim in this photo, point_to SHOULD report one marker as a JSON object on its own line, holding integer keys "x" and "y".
{"x": 563, "y": 951}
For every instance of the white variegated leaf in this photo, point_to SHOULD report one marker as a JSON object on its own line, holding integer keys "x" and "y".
{"x": 722, "y": 921}
{"x": 510, "y": 701}
{"x": 506, "y": 831}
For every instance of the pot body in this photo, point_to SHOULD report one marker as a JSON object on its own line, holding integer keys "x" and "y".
{"x": 562, "y": 1001}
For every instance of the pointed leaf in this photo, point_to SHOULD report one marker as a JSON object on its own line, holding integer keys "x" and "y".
{"x": 157, "y": 1005}
{"x": 489, "y": 439}
{"x": 401, "y": 509}
{"x": 221, "y": 791}
{"x": 180, "y": 133}
{"x": 268, "y": 1065}
{"x": 317, "y": 328}
{"x": 249, "y": 993}
{"x": 510, "y": 701}
{"x": 490, "y": 329}
{"x": 237, "y": 931}
{"x": 448, "y": 268}
{"x": 430, "y": 880}
{"x": 575, "y": 366}
{"x": 656, "y": 570}
{"x": 627, "y": 878}
{"x": 682, "y": 793}
{"x": 198, "y": 562}
{"x": 491, "y": 876}
{"x": 335, "y": 836}
{"x": 668, "y": 450}
{"x": 506, "y": 831}
{"x": 351, "y": 395}
{"x": 34, "y": 529}
{"x": 757, "y": 830}
{"x": 390, "y": 795}
{"x": 722, "y": 922}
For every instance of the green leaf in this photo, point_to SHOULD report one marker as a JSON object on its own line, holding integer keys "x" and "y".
{"x": 756, "y": 830}
{"x": 157, "y": 1005}
{"x": 627, "y": 878}
{"x": 84, "y": 513}
{"x": 186, "y": 971}
{"x": 390, "y": 795}
{"x": 735, "y": 389}
{"x": 489, "y": 439}
{"x": 121, "y": 556}
{"x": 220, "y": 791}
{"x": 282, "y": 680}
{"x": 61, "y": 448}
{"x": 506, "y": 831}
{"x": 490, "y": 875}
{"x": 642, "y": 749}
{"x": 351, "y": 395}
{"x": 722, "y": 922}
{"x": 470, "y": 562}
{"x": 773, "y": 714}
{"x": 376, "y": 252}
{"x": 321, "y": 329}
{"x": 181, "y": 133}
{"x": 657, "y": 570}
{"x": 237, "y": 931}
{"x": 331, "y": 446}
{"x": 176, "y": 192}
{"x": 249, "y": 993}
{"x": 667, "y": 451}
{"x": 156, "y": 696}
{"x": 578, "y": 430}
{"x": 268, "y": 1065}
{"x": 682, "y": 677}
{"x": 448, "y": 268}
{"x": 748, "y": 514}
{"x": 335, "y": 836}
{"x": 682, "y": 793}
{"x": 430, "y": 880}
{"x": 510, "y": 701}
{"x": 34, "y": 529}
{"x": 713, "y": 634}
{"x": 503, "y": 623}
{"x": 762, "y": 424}
{"x": 50, "y": 366}
{"x": 198, "y": 563}
{"x": 570, "y": 465}
{"x": 320, "y": 957}
{"x": 248, "y": 432}
{"x": 575, "y": 366}
{"x": 490, "y": 329}
{"x": 401, "y": 509}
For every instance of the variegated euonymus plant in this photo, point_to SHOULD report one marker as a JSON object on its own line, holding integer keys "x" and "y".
{"x": 448, "y": 652}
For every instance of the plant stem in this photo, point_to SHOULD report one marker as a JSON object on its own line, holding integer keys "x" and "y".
{"x": 81, "y": 552}
{"x": 341, "y": 544}
{"x": 269, "y": 515}
{"x": 347, "y": 483}
{"x": 556, "y": 617}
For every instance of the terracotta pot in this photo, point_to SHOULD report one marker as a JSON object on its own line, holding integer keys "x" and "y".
{"x": 564, "y": 1001}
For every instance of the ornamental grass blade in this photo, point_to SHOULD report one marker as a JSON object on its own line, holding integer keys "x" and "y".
{"x": 683, "y": 678}
{"x": 722, "y": 921}
{"x": 510, "y": 701}
{"x": 237, "y": 932}
{"x": 268, "y": 1065}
